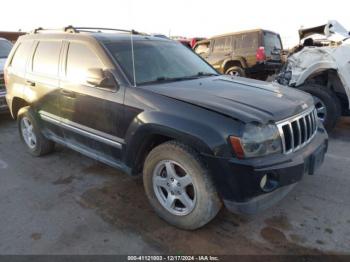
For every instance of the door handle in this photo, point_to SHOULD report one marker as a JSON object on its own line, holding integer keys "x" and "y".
{"x": 68, "y": 93}
{"x": 30, "y": 83}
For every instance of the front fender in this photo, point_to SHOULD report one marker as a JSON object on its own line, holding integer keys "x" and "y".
{"x": 200, "y": 135}
{"x": 300, "y": 76}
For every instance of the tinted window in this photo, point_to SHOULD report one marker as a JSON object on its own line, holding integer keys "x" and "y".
{"x": 158, "y": 60}
{"x": 271, "y": 42}
{"x": 219, "y": 44}
{"x": 246, "y": 41}
{"x": 80, "y": 58}
{"x": 46, "y": 58}
{"x": 5, "y": 48}
{"x": 20, "y": 57}
{"x": 222, "y": 44}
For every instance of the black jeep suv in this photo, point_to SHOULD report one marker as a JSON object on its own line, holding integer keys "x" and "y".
{"x": 150, "y": 105}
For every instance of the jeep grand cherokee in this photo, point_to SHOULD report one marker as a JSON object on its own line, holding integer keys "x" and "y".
{"x": 150, "y": 105}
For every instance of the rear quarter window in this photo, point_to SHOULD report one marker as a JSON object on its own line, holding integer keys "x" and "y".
{"x": 46, "y": 58}
{"x": 20, "y": 58}
{"x": 246, "y": 41}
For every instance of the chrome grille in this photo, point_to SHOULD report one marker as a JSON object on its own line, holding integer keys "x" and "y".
{"x": 298, "y": 131}
{"x": 2, "y": 83}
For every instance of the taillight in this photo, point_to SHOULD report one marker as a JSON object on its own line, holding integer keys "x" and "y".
{"x": 193, "y": 42}
{"x": 260, "y": 54}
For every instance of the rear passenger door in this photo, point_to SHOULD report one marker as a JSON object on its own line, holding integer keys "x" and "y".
{"x": 246, "y": 45}
{"x": 42, "y": 85}
{"x": 221, "y": 50}
{"x": 91, "y": 115}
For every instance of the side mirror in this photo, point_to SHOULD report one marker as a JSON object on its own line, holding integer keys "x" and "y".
{"x": 100, "y": 78}
{"x": 95, "y": 76}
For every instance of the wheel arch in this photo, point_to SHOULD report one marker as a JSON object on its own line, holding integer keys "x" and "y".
{"x": 148, "y": 136}
{"x": 234, "y": 62}
{"x": 150, "y": 129}
{"x": 16, "y": 104}
{"x": 331, "y": 79}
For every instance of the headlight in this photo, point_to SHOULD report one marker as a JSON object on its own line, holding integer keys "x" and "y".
{"x": 257, "y": 140}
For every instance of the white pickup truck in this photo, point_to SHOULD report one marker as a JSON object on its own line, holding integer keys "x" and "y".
{"x": 5, "y": 48}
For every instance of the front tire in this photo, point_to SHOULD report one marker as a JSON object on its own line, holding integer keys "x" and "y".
{"x": 179, "y": 186}
{"x": 36, "y": 143}
{"x": 327, "y": 104}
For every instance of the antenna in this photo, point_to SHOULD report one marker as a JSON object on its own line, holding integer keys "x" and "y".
{"x": 133, "y": 56}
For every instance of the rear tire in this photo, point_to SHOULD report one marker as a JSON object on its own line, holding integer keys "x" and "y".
{"x": 235, "y": 71}
{"x": 327, "y": 104}
{"x": 175, "y": 164}
{"x": 33, "y": 139}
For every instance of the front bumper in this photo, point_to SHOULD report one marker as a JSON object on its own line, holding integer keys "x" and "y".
{"x": 238, "y": 181}
{"x": 3, "y": 103}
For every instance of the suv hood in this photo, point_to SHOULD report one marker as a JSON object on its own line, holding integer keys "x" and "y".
{"x": 244, "y": 99}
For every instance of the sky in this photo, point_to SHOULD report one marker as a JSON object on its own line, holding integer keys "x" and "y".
{"x": 177, "y": 18}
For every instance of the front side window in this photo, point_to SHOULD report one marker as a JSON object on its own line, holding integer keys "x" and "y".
{"x": 46, "y": 58}
{"x": 5, "y": 48}
{"x": 80, "y": 59}
{"x": 21, "y": 55}
{"x": 156, "y": 61}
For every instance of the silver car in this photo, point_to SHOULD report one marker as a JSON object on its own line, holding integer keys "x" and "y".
{"x": 5, "y": 48}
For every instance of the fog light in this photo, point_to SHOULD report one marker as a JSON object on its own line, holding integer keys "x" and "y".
{"x": 268, "y": 183}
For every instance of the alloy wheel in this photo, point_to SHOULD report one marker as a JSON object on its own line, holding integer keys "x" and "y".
{"x": 28, "y": 134}
{"x": 320, "y": 109}
{"x": 174, "y": 188}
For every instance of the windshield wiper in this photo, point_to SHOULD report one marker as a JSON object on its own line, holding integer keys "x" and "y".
{"x": 163, "y": 79}
{"x": 206, "y": 74}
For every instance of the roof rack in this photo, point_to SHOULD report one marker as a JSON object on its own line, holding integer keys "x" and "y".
{"x": 73, "y": 29}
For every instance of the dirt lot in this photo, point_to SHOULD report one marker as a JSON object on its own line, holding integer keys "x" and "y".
{"x": 66, "y": 203}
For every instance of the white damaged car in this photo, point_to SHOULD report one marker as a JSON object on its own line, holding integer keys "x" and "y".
{"x": 320, "y": 65}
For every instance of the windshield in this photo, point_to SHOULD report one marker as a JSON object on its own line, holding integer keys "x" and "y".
{"x": 157, "y": 61}
{"x": 5, "y": 48}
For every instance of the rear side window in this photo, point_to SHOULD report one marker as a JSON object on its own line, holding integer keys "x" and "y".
{"x": 46, "y": 58}
{"x": 222, "y": 44}
{"x": 21, "y": 55}
{"x": 247, "y": 41}
{"x": 80, "y": 58}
